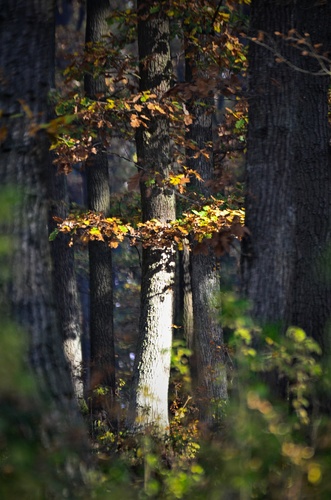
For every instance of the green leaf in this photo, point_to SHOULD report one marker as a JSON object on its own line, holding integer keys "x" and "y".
{"x": 54, "y": 234}
{"x": 240, "y": 124}
{"x": 155, "y": 9}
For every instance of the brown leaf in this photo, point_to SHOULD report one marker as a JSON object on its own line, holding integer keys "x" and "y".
{"x": 188, "y": 119}
{"x": 133, "y": 182}
{"x": 260, "y": 36}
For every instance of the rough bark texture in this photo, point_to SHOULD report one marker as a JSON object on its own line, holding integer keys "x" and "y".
{"x": 188, "y": 318}
{"x": 208, "y": 370}
{"x": 65, "y": 285}
{"x": 100, "y": 258}
{"x": 311, "y": 286}
{"x": 288, "y": 173}
{"x": 149, "y": 405}
{"x": 26, "y": 37}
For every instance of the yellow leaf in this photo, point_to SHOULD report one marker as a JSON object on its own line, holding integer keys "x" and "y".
{"x": 314, "y": 473}
{"x": 225, "y": 16}
{"x": 110, "y": 104}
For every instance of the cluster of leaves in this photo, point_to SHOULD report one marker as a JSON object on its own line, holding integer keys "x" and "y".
{"x": 212, "y": 226}
{"x": 83, "y": 125}
{"x": 233, "y": 132}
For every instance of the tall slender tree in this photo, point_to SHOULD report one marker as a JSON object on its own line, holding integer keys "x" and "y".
{"x": 65, "y": 284}
{"x": 207, "y": 362}
{"x": 100, "y": 257}
{"x": 149, "y": 404}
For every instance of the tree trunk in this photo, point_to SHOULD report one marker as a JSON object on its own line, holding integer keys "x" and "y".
{"x": 311, "y": 286}
{"x": 27, "y": 38}
{"x": 288, "y": 173}
{"x": 65, "y": 285}
{"x": 149, "y": 404}
{"x": 207, "y": 362}
{"x": 100, "y": 257}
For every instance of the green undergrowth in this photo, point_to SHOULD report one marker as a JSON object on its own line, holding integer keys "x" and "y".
{"x": 273, "y": 442}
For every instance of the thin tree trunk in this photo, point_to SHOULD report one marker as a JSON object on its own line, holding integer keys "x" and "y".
{"x": 188, "y": 317}
{"x": 149, "y": 404}
{"x": 100, "y": 257}
{"x": 65, "y": 285}
{"x": 208, "y": 370}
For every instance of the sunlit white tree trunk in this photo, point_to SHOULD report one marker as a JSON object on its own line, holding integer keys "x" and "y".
{"x": 149, "y": 403}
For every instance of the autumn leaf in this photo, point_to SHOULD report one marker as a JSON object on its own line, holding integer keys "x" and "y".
{"x": 133, "y": 182}
{"x": 155, "y": 107}
{"x": 188, "y": 120}
{"x": 113, "y": 244}
{"x": 260, "y": 36}
{"x": 134, "y": 121}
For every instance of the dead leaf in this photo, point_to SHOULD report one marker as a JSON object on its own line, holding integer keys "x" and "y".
{"x": 133, "y": 182}
{"x": 134, "y": 121}
{"x": 188, "y": 120}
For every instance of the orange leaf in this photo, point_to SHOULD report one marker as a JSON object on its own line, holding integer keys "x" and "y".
{"x": 188, "y": 119}
{"x": 113, "y": 244}
{"x": 134, "y": 121}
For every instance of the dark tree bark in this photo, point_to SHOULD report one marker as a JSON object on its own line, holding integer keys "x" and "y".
{"x": 311, "y": 288}
{"x": 100, "y": 257}
{"x": 149, "y": 404}
{"x": 270, "y": 203}
{"x": 65, "y": 284}
{"x": 288, "y": 173}
{"x": 64, "y": 276}
{"x": 27, "y": 41}
{"x": 207, "y": 344}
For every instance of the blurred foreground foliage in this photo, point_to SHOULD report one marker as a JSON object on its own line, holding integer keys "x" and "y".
{"x": 264, "y": 448}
